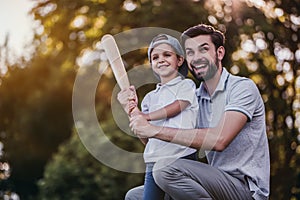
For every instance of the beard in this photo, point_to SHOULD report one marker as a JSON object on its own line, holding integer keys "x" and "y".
{"x": 210, "y": 73}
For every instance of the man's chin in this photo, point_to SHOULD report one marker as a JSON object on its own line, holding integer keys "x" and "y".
{"x": 200, "y": 78}
{"x": 199, "y": 75}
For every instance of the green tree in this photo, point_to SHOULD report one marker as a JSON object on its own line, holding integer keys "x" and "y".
{"x": 35, "y": 118}
{"x": 74, "y": 174}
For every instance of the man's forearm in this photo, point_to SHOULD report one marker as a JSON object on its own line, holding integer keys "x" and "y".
{"x": 217, "y": 138}
{"x": 195, "y": 138}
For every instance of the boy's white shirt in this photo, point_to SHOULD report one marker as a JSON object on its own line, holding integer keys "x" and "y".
{"x": 176, "y": 89}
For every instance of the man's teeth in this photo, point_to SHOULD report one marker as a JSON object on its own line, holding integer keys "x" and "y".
{"x": 200, "y": 66}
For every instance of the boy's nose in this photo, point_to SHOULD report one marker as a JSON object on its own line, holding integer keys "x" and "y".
{"x": 161, "y": 60}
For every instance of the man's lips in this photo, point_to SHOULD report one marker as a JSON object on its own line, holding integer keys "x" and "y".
{"x": 201, "y": 66}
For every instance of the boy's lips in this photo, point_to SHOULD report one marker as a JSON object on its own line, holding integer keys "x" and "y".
{"x": 159, "y": 66}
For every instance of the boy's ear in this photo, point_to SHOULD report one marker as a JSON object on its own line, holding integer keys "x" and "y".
{"x": 180, "y": 61}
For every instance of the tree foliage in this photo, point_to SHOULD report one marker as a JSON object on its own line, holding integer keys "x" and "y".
{"x": 36, "y": 97}
{"x": 74, "y": 174}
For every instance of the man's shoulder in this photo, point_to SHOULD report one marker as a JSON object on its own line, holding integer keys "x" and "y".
{"x": 235, "y": 80}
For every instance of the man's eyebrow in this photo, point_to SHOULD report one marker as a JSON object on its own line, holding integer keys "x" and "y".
{"x": 201, "y": 45}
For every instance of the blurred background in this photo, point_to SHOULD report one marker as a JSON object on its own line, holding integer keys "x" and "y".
{"x": 41, "y": 155}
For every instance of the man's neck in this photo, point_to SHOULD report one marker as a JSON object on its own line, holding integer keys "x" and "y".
{"x": 212, "y": 83}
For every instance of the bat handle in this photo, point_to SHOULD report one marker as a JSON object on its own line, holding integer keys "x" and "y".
{"x": 132, "y": 106}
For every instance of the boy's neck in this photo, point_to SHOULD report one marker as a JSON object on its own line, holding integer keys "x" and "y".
{"x": 164, "y": 80}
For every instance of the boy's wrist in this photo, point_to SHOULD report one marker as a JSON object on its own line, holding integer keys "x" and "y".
{"x": 147, "y": 117}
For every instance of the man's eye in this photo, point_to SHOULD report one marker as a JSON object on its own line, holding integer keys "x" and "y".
{"x": 189, "y": 53}
{"x": 204, "y": 49}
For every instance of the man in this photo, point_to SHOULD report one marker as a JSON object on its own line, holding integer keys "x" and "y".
{"x": 231, "y": 130}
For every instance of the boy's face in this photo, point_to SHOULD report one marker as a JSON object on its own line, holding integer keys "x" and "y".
{"x": 201, "y": 57}
{"x": 164, "y": 61}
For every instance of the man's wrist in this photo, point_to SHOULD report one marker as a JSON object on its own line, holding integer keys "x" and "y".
{"x": 156, "y": 131}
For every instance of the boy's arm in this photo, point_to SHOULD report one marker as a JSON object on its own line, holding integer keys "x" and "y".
{"x": 143, "y": 140}
{"x": 168, "y": 111}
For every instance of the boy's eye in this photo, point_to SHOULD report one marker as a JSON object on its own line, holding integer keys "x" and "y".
{"x": 167, "y": 54}
{"x": 154, "y": 57}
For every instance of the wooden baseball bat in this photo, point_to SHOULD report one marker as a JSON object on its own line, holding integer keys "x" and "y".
{"x": 115, "y": 60}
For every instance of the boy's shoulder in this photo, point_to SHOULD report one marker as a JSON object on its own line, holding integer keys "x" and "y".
{"x": 188, "y": 83}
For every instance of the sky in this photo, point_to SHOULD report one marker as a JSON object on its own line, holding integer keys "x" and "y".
{"x": 15, "y": 21}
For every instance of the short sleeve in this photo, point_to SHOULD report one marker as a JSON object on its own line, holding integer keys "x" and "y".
{"x": 145, "y": 104}
{"x": 243, "y": 97}
{"x": 186, "y": 91}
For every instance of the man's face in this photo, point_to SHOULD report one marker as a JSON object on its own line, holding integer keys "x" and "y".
{"x": 201, "y": 57}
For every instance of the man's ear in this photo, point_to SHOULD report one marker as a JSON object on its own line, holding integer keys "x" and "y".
{"x": 220, "y": 52}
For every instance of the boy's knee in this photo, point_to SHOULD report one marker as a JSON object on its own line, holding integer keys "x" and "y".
{"x": 135, "y": 193}
{"x": 129, "y": 196}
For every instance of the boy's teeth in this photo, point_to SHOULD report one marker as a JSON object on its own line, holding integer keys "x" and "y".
{"x": 159, "y": 66}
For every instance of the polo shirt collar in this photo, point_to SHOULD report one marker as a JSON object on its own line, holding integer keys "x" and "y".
{"x": 172, "y": 82}
{"x": 202, "y": 92}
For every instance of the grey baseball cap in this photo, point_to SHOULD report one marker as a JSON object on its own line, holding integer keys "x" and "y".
{"x": 174, "y": 43}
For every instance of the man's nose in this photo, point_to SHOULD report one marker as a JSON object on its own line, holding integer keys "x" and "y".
{"x": 197, "y": 55}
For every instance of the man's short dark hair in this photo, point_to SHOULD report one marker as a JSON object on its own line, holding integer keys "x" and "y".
{"x": 217, "y": 36}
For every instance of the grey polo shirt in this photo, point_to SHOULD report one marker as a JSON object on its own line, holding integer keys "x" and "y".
{"x": 248, "y": 153}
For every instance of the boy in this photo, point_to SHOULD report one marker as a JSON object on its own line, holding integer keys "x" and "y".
{"x": 172, "y": 104}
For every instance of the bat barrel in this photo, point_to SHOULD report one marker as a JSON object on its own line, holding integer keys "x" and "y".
{"x": 115, "y": 60}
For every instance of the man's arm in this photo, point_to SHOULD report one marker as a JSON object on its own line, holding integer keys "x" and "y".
{"x": 217, "y": 138}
